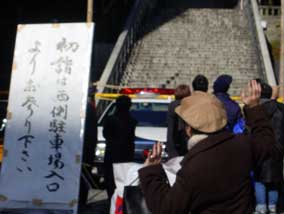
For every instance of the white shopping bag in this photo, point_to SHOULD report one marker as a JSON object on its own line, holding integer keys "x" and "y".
{"x": 126, "y": 174}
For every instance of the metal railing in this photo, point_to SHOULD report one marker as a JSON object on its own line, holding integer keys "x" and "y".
{"x": 262, "y": 52}
{"x": 268, "y": 10}
{"x": 117, "y": 62}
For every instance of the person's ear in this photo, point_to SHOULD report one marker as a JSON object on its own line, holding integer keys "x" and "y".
{"x": 188, "y": 131}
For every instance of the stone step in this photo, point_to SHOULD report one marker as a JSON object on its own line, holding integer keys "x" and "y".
{"x": 206, "y": 41}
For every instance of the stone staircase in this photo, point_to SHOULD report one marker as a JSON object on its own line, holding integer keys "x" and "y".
{"x": 179, "y": 44}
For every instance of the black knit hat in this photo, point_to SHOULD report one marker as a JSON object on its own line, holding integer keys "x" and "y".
{"x": 222, "y": 83}
{"x": 200, "y": 83}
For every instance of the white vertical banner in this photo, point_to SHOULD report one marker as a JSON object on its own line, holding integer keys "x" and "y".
{"x": 46, "y": 115}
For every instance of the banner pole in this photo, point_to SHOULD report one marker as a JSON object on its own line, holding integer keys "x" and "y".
{"x": 90, "y": 11}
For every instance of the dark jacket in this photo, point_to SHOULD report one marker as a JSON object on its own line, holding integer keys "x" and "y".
{"x": 233, "y": 110}
{"x": 176, "y": 136}
{"x": 90, "y": 141}
{"x": 215, "y": 173}
{"x": 271, "y": 170}
{"x": 90, "y": 135}
{"x": 119, "y": 132}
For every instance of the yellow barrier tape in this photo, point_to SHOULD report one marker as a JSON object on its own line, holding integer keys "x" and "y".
{"x": 111, "y": 96}
{"x": 280, "y": 100}
{"x": 236, "y": 98}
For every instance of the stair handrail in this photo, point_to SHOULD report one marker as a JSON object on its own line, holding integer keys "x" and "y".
{"x": 116, "y": 64}
{"x": 264, "y": 57}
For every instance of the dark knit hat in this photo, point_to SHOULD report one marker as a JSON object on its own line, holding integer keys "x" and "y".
{"x": 200, "y": 83}
{"x": 222, "y": 83}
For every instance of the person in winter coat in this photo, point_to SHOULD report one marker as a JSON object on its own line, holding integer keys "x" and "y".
{"x": 234, "y": 113}
{"x": 215, "y": 173}
{"x": 275, "y": 96}
{"x": 119, "y": 132}
{"x": 269, "y": 174}
{"x": 176, "y": 137}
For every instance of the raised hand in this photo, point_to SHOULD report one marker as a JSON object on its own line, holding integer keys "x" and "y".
{"x": 251, "y": 94}
{"x": 155, "y": 156}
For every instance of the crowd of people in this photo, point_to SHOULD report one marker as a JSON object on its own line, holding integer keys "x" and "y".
{"x": 233, "y": 157}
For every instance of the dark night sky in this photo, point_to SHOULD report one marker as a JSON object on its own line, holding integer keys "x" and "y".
{"x": 31, "y": 11}
{"x": 15, "y": 12}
